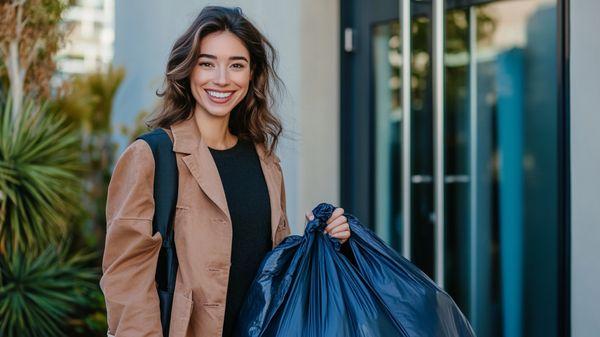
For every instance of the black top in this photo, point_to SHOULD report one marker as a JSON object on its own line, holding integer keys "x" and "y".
{"x": 249, "y": 206}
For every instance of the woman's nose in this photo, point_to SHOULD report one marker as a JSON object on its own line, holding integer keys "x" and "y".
{"x": 222, "y": 77}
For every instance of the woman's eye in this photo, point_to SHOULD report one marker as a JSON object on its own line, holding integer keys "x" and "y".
{"x": 238, "y": 65}
{"x": 205, "y": 64}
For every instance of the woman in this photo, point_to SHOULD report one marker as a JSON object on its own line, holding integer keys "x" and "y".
{"x": 231, "y": 200}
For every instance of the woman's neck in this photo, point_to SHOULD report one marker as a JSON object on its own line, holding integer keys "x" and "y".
{"x": 214, "y": 130}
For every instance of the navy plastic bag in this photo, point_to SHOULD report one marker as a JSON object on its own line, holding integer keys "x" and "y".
{"x": 306, "y": 287}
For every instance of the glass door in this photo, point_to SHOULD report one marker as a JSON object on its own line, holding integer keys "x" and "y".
{"x": 450, "y": 108}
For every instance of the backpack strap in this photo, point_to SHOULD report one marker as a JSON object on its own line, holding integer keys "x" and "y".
{"x": 165, "y": 199}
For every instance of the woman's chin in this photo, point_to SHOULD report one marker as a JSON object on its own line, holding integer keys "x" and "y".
{"x": 216, "y": 111}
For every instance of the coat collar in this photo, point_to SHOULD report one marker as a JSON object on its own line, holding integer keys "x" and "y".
{"x": 186, "y": 138}
{"x": 198, "y": 159}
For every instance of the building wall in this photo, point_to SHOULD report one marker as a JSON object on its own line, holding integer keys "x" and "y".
{"x": 306, "y": 35}
{"x": 319, "y": 85}
{"x": 585, "y": 168}
{"x": 89, "y": 44}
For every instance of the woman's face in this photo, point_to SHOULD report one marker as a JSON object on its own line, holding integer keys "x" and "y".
{"x": 220, "y": 79}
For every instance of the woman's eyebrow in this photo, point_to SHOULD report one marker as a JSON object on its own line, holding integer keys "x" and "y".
{"x": 232, "y": 58}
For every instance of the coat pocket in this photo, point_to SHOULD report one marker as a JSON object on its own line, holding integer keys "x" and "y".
{"x": 181, "y": 311}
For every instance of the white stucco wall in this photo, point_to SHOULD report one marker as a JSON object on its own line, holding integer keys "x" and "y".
{"x": 585, "y": 168}
{"x": 306, "y": 35}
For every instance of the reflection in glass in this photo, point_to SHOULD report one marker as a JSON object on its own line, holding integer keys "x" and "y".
{"x": 457, "y": 182}
{"x": 386, "y": 68}
{"x": 422, "y": 141}
{"x": 500, "y": 124}
{"x": 501, "y": 224}
{"x": 516, "y": 268}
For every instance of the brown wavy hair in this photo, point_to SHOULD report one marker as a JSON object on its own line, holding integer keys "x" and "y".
{"x": 252, "y": 118}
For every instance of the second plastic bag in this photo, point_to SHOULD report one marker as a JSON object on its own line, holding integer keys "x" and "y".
{"x": 306, "y": 287}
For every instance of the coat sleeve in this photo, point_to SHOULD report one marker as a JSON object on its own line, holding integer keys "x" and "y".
{"x": 131, "y": 251}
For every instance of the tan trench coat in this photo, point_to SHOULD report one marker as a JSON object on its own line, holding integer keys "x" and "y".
{"x": 203, "y": 236}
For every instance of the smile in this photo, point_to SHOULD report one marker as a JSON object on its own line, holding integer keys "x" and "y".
{"x": 219, "y": 94}
{"x": 219, "y": 97}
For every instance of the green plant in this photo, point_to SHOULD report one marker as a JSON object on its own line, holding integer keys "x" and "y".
{"x": 91, "y": 320}
{"x": 39, "y": 183}
{"x": 87, "y": 100}
{"x": 39, "y": 292}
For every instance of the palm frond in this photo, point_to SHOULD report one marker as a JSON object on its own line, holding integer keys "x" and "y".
{"x": 40, "y": 167}
{"x": 38, "y": 293}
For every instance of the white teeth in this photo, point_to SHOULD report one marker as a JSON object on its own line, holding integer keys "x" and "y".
{"x": 219, "y": 94}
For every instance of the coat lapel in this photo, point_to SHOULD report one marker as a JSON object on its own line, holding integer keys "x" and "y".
{"x": 273, "y": 179}
{"x": 199, "y": 161}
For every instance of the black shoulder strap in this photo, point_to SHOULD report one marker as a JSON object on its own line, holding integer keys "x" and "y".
{"x": 165, "y": 199}
{"x": 165, "y": 181}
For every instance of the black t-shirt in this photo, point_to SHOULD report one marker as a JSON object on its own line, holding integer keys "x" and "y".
{"x": 249, "y": 206}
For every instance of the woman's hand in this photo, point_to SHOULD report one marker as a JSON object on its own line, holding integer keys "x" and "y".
{"x": 337, "y": 225}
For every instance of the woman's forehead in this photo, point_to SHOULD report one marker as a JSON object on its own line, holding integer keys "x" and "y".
{"x": 222, "y": 45}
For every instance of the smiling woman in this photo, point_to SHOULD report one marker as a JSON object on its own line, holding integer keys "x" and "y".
{"x": 221, "y": 78}
{"x": 230, "y": 209}
{"x": 222, "y": 68}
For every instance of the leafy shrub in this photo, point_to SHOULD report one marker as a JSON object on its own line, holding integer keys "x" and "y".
{"x": 39, "y": 292}
{"x": 39, "y": 183}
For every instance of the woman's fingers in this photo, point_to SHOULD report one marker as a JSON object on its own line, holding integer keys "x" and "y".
{"x": 344, "y": 227}
{"x": 342, "y": 236}
{"x": 336, "y": 213}
{"x": 335, "y": 223}
{"x": 334, "y": 219}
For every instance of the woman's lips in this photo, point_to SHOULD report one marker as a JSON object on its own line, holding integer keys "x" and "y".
{"x": 219, "y": 97}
